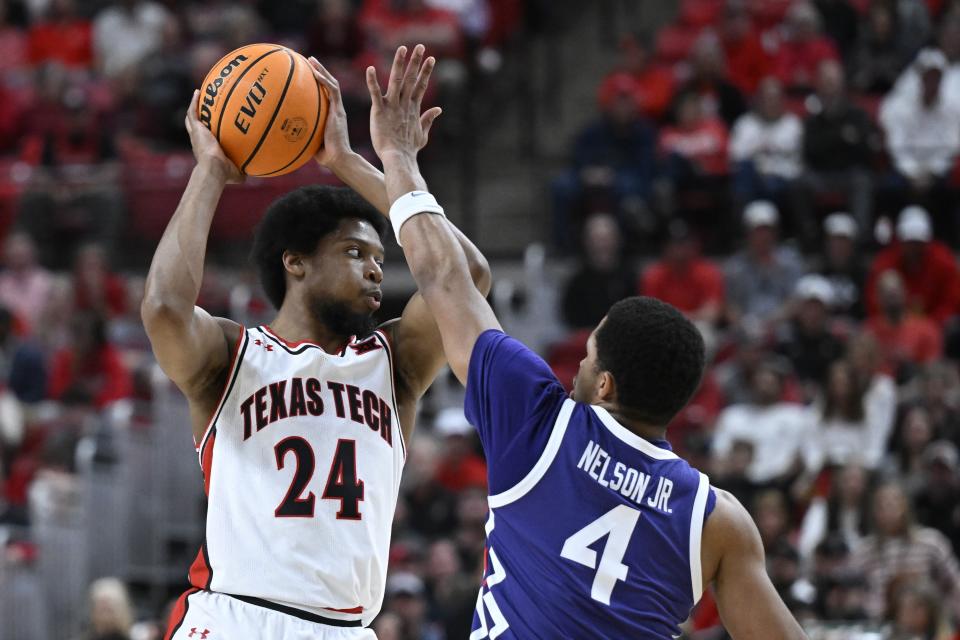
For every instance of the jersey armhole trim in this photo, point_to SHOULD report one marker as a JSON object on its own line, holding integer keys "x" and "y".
{"x": 543, "y": 464}
{"x": 696, "y": 536}
{"x": 238, "y": 351}
{"x": 388, "y": 345}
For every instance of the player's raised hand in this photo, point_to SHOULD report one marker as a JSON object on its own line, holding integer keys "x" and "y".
{"x": 396, "y": 124}
{"x": 336, "y": 140}
{"x": 206, "y": 149}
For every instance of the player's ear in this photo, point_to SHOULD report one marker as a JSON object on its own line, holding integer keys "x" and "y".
{"x": 293, "y": 263}
{"x": 606, "y": 387}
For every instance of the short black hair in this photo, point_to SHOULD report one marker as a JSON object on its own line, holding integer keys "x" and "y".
{"x": 655, "y": 355}
{"x": 297, "y": 221}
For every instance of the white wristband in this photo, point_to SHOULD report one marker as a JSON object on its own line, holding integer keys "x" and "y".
{"x": 409, "y": 205}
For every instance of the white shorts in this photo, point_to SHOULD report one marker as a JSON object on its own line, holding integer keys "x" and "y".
{"x": 205, "y": 615}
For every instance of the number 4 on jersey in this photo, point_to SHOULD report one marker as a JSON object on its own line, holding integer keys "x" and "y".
{"x": 619, "y": 523}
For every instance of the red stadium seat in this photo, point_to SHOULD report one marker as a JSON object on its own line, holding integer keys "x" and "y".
{"x": 700, "y": 13}
{"x": 674, "y": 43}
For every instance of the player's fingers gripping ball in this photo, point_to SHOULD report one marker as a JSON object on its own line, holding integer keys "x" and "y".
{"x": 266, "y": 109}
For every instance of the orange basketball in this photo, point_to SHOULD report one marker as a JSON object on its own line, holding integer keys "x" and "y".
{"x": 264, "y": 106}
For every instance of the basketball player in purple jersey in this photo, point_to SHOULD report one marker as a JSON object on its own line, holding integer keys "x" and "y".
{"x": 596, "y": 528}
{"x": 300, "y": 425}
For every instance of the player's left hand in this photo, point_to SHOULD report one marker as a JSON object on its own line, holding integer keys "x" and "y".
{"x": 396, "y": 124}
{"x": 336, "y": 140}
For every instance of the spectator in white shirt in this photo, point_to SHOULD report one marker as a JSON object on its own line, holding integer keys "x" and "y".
{"x": 125, "y": 34}
{"x": 854, "y": 420}
{"x": 765, "y": 147}
{"x": 776, "y": 430}
{"x": 923, "y": 138}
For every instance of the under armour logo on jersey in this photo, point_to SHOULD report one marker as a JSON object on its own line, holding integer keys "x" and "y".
{"x": 259, "y": 343}
{"x": 200, "y": 634}
{"x": 368, "y": 345}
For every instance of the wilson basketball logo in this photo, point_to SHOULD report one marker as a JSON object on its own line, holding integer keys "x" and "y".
{"x": 213, "y": 89}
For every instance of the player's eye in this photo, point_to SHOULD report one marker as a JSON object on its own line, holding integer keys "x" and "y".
{"x": 354, "y": 252}
{"x": 379, "y": 262}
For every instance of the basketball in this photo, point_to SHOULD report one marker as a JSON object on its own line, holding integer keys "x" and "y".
{"x": 265, "y": 108}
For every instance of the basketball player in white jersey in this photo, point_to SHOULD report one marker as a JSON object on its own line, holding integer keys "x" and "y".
{"x": 539, "y": 585}
{"x": 300, "y": 426}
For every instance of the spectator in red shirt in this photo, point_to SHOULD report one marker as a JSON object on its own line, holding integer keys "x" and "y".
{"x": 684, "y": 279}
{"x": 748, "y": 61}
{"x": 390, "y": 23}
{"x": 650, "y": 85}
{"x": 905, "y": 340}
{"x": 799, "y": 56}
{"x": 927, "y": 267}
{"x": 697, "y": 144}
{"x": 91, "y": 367}
{"x": 459, "y": 467}
{"x": 62, "y": 36}
{"x": 95, "y": 287}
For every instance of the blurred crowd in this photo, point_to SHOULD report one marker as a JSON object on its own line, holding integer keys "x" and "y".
{"x": 783, "y": 171}
{"x": 786, "y": 173}
{"x": 92, "y": 100}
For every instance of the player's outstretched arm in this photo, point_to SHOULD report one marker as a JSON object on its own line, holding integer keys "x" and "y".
{"x": 749, "y": 605}
{"x": 191, "y": 346}
{"x": 364, "y": 178}
{"x": 415, "y": 335}
{"x": 434, "y": 253}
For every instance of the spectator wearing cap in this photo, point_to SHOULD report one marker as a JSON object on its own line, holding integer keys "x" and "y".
{"x": 651, "y": 85}
{"x": 612, "y": 167}
{"x": 747, "y": 59}
{"x": 459, "y": 467}
{"x": 685, "y": 279}
{"x": 804, "y": 49}
{"x": 923, "y": 138}
{"x": 761, "y": 277}
{"x": 406, "y": 597}
{"x": 905, "y": 340}
{"x": 765, "y": 147}
{"x": 775, "y": 430}
{"x": 937, "y": 504}
{"x": 843, "y": 265}
{"x": 808, "y": 340}
{"x": 839, "y": 140}
{"x": 927, "y": 267}
{"x": 900, "y": 549}
{"x": 13, "y": 42}
{"x": 603, "y": 277}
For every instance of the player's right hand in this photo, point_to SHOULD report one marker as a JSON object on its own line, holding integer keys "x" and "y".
{"x": 206, "y": 149}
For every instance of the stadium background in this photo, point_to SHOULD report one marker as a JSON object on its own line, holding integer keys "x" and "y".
{"x": 593, "y": 150}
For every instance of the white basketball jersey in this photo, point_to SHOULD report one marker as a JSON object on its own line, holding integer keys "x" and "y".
{"x": 302, "y": 462}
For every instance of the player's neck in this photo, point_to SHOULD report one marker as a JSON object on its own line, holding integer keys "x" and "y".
{"x": 298, "y": 325}
{"x": 643, "y": 429}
